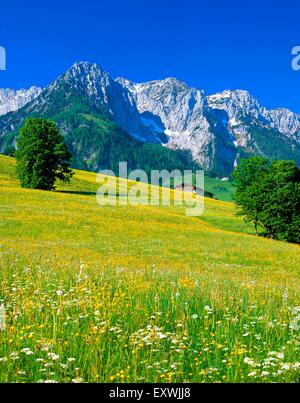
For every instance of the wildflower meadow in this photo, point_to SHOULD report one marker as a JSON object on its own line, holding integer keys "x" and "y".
{"x": 93, "y": 293}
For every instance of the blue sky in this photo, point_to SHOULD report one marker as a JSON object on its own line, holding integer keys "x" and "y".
{"x": 212, "y": 45}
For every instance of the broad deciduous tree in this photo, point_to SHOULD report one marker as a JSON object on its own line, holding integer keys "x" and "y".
{"x": 268, "y": 194}
{"x": 42, "y": 157}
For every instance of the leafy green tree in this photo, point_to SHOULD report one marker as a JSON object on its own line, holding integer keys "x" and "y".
{"x": 249, "y": 195}
{"x": 268, "y": 194}
{"x": 42, "y": 157}
{"x": 281, "y": 214}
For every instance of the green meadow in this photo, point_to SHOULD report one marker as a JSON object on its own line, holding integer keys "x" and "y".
{"x": 221, "y": 189}
{"x": 140, "y": 293}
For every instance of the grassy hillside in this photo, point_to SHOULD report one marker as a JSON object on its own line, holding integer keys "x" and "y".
{"x": 221, "y": 189}
{"x": 134, "y": 294}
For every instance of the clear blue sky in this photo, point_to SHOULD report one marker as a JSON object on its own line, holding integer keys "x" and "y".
{"x": 212, "y": 45}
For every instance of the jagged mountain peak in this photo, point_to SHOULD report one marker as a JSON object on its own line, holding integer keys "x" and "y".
{"x": 84, "y": 71}
{"x": 169, "y": 83}
{"x": 240, "y": 100}
{"x": 84, "y": 79}
{"x": 12, "y": 100}
{"x": 240, "y": 104}
{"x": 84, "y": 68}
{"x": 20, "y": 92}
{"x": 284, "y": 110}
{"x": 124, "y": 81}
{"x": 228, "y": 93}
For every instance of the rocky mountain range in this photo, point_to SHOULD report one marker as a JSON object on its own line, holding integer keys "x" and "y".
{"x": 154, "y": 120}
{"x": 11, "y": 100}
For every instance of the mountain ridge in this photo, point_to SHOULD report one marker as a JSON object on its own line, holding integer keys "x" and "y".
{"x": 12, "y": 100}
{"x": 216, "y": 130}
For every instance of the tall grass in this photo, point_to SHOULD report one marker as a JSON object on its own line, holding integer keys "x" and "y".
{"x": 140, "y": 294}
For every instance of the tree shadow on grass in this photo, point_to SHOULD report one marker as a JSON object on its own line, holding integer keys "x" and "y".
{"x": 76, "y": 192}
{"x": 84, "y": 193}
